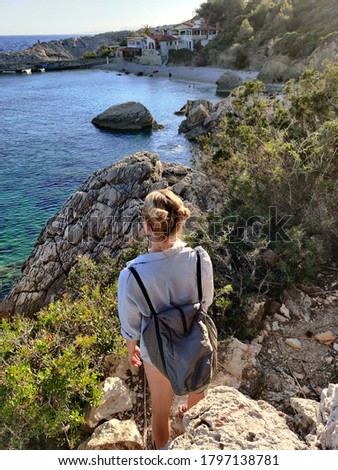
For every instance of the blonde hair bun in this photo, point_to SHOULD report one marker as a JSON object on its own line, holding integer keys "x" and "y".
{"x": 183, "y": 212}
{"x": 158, "y": 214}
{"x": 165, "y": 212}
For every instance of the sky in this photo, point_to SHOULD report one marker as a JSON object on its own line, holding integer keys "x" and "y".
{"x": 32, "y": 17}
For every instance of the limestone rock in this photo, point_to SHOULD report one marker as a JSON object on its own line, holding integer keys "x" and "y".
{"x": 328, "y": 418}
{"x": 279, "y": 69}
{"x": 115, "y": 435}
{"x": 285, "y": 311}
{"x": 240, "y": 366}
{"x": 294, "y": 343}
{"x": 128, "y": 116}
{"x": 226, "y": 419}
{"x": 327, "y": 337}
{"x": 307, "y": 410}
{"x": 116, "y": 398}
{"x": 298, "y": 303}
{"x": 227, "y": 82}
{"x": 255, "y": 313}
{"x": 197, "y": 118}
{"x": 102, "y": 217}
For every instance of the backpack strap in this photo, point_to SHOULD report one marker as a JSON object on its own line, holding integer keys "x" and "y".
{"x": 153, "y": 313}
{"x": 143, "y": 289}
{"x": 199, "y": 277}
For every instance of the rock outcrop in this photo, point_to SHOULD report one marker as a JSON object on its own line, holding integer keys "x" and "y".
{"x": 64, "y": 49}
{"x": 227, "y": 82}
{"x": 114, "y": 435}
{"x": 280, "y": 69}
{"x": 240, "y": 367}
{"x": 202, "y": 116}
{"x": 227, "y": 419}
{"x": 130, "y": 116}
{"x": 328, "y": 417}
{"x": 100, "y": 218}
{"x": 116, "y": 398}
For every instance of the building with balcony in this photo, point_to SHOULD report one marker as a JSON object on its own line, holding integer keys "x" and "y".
{"x": 196, "y": 32}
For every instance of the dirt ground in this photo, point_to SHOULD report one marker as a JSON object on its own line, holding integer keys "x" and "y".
{"x": 303, "y": 372}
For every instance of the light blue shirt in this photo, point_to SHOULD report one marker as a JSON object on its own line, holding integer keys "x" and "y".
{"x": 169, "y": 277}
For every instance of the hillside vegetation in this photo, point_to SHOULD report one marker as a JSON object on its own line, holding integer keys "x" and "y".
{"x": 256, "y": 30}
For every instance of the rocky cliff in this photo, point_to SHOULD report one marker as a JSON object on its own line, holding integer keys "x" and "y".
{"x": 64, "y": 49}
{"x": 101, "y": 217}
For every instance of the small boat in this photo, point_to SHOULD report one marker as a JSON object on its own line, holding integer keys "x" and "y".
{"x": 27, "y": 71}
{"x": 41, "y": 69}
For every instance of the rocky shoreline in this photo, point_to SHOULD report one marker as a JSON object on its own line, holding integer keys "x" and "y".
{"x": 208, "y": 75}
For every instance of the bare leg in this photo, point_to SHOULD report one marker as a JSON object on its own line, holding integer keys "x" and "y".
{"x": 194, "y": 398}
{"x": 161, "y": 400}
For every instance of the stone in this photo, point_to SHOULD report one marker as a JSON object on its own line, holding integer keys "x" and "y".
{"x": 328, "y": 418}
{"x": 308, "y": 411}
{"x": 241, "y": 367}
{"x": 285, "y": 311}
{"x": 298, "y": 303}
{"x": 279, "y": 69}
{"x": 280, "y": 318}
{"x": 228, "y": 420}
{"x": 255, "y": 313}
{"x": 130, "y": 116}
{"x": 115, "y": 435}
{"x": 294, "y": 343}
{"x": 327, "y": 337}
{"x": 116, "y": 398}
{"x": 275, "y": 325}
{"x": 197, "y": 118}
{"x": 227, "y": 82}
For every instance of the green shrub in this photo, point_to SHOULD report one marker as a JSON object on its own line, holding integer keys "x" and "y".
{"x": 271, "y": 154}
{"x": 52, "y": 366}
{"x": 277, "y": 162}
{"x": 89, "y": 55}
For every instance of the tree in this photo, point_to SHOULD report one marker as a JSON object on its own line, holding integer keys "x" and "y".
{"x": 245, "y": 31}
{"x": 147, "y": 29}
{"x": 222, "y": 11}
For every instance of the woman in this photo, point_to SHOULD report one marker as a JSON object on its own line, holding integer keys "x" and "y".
{"x": 169, "y": 273}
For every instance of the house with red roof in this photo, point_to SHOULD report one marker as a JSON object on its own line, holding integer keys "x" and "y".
{"x": 153, "y": 48}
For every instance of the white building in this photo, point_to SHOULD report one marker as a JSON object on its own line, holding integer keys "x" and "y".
{"x": 186, "y": 35}
{"x": 197, "y": 32}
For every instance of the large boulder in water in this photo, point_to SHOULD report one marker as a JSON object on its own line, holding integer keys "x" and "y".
{"x": 130, "y": 116}
{"x": 227, "y": 82}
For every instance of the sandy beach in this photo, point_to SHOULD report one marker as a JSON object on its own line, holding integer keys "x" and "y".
{"x": 208, "y": 75}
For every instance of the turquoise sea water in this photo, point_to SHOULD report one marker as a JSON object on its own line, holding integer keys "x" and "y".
{"x": 48, "y": 145}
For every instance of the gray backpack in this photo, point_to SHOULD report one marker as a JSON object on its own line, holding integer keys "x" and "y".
{"x": 182, "y": 341}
